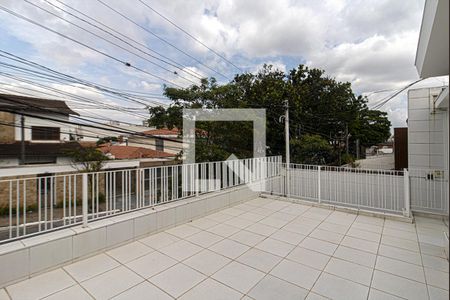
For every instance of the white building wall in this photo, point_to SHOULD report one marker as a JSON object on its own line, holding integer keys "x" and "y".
{"x": 31, "y": 121}
{"x": 427, "y": 130}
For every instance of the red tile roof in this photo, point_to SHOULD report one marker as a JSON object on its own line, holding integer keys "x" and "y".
{"x": 131, "y": 152}
{"x": 163, "y": 131}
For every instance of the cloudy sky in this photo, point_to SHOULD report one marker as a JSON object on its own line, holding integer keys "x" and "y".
{"x": 370, "y": 43}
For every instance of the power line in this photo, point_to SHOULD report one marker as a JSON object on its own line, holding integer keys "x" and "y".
{"x": 190, "y": 35}
{"x": 161, "y": 39}
{"x": 387, "y": 99}
{"x": 106, "y": 40}
{"x": 174, "y": 63}
{"x": 125, "y": 63}
{"x": 72, "y": 79}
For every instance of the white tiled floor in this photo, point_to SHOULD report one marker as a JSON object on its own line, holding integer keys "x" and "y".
{"x": 262, "y": 249}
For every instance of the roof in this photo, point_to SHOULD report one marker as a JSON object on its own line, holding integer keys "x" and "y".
{"x": 38, "y": 149}
{"x": 131, "y": 152}
{"x": 163, "y": 131}
{"x": 31, "y": 104}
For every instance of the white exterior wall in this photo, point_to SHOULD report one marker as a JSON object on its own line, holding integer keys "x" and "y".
{"x": 31, "y": 121}
{"x": 427, "y": 130}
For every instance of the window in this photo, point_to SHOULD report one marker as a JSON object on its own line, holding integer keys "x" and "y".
{"x": 42, "y": 133}
{"x": 159, "y": 145}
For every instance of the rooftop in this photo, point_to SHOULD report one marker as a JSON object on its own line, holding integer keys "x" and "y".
{"x": 262, "y": 249}
{"x": 33, "y": 104}
{"x": 131, "y": 152}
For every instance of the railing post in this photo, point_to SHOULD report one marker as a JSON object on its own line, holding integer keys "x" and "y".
{"x": 318, "y": 183}
{"x": 407, "y": 209}
{"x": 85, "y": 199}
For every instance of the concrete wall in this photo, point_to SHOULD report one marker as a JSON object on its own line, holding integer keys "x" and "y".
{"x": 6, "y": 132}
{"x": 30, "y": 121}
{"x": 427, "y": 130}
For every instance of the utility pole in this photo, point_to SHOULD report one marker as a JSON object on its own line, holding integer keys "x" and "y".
{"x": 22, "y": 140}
{"x": 357, "y": 149}
{"x": 288, "y": 155}
{"x": 346, "y": 138}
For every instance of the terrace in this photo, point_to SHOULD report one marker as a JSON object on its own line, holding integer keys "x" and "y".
{"x": 205, "y": 232}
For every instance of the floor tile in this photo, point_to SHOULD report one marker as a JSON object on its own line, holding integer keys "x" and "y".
{"x": 224, "y": 230}
{"x": 400, "y": 268}
{"x": 318, "y": 245}
{"x": 308, "y": 257}
{"x": 399, "y": 286}
{"x": 369, "y": 220}
{"x": 275, "y": 247}
{"x": 181, "y": 250}
{"x": 41, "y": 286}
{"x": 159, "y": 240}
{"x": 177, "y": 280}
{"x": 273, "y": 288}
{"x": 219, "y": 217}
{"x": 143, "y": 291}
{"x": 400, "y": 254}
{"x": 151, "y": 264}
{"x": 203, "y": 223}
{"x": 239, "y": 276}
{"x": 432, "y": 250}
{"x": 436, "y": 263}
{"x": 341, "y": 229}
{"x": 207, "y": 262}
{"x": 338, "y": 288}
{"x": 407, "y": 235}
{"x": 437, "y": 278}
{"x": 183, "y": 231}
{"x": 364, "y": 235}
{"x": 283, "y": 216}
{"x": 247, "y": 238}
{"x": 379, "y": 295}
{"x": 239, "y": 222}
{"x": 298, "y": 228}
{"x": 204, "y": 239}
{"x": 75, "y": 292}
{"x": 90, "y": 267}
{"x": 400, "y": 243}
{"x": 212, "y": 290}
{"x": 252, "y": 216}
{"x": 294, "y": 209}
{"x": 274, "y": 222}
{"x": 261, "y": 229}
{"x": 129, "y": 252}
{"x": 368, "y": 227}
{"x": 356, "y": 256}
{"x": 288, "y": 237}
{"x": 111, "y": 283}
{"x": 295, "y": 273}
{"x": 350, "y": 271}
{"x": 437, "y": 293}
{"x": 233, "y": 211}
{"x": 229, "y": 248}
{"x": 260, "y": 260}
{"x": 3, "y": 295}
{"x": 314, "y": 296}
{"x": 327, "y": 236}
{"x": 359, "y": 244}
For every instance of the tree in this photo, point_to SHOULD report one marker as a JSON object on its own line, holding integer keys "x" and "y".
{"x": 88, "y": 159}
{"x": 107, "y": 139}
{"x": 318, "y": 104}
{"x": 311, "y": 150}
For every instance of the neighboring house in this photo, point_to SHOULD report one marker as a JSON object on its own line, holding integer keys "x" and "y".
{"x": 428, "y": 132}
{"x": 132, "y": 152}
{"x": 165, "y": 140}
{"x": 45, "y": 141}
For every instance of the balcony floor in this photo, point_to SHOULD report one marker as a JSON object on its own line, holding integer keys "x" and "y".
{"x": 262, "y": 249}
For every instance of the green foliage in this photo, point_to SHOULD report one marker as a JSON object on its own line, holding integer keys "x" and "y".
{"x": 312, "y": 150}
{"x": 107, "y": 139}
{"x": 88, "y": 159}
{"x": 319, "y": 105}
{"x": 347, "y": 159}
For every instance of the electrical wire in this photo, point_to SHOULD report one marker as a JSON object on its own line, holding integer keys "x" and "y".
{"x": 190, "y": 35}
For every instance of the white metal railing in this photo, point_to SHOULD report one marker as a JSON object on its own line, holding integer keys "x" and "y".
{"x": 43, "y": 203}
{"x": 378, "y": 190}
{"x": 429, "y": 191}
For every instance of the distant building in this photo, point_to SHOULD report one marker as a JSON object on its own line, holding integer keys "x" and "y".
{"x": 165, "y": 140}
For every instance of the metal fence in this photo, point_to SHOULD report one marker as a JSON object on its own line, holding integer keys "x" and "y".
{"x": 43, "y": 203}
{"x": 429, "y": 191}
{"x": 377, "y": 190}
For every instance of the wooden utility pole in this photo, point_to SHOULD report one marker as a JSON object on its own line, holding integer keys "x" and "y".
{"x": 22, "y": 140}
